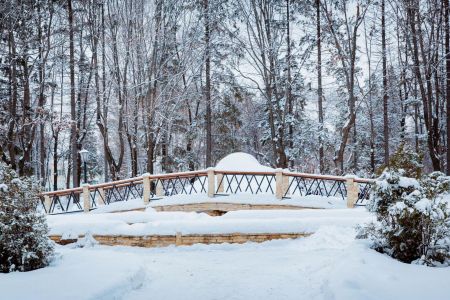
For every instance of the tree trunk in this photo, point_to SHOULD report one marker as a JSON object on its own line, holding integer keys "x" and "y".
{"x": 319, "y": 88}
{"x": 385, "y": 91}
{"x": 447, "y": 78}
{"x": 74, "y": 130}
{"x": 105, "y": 107}
{"x": 208, "y": 84}
{"x": 289, "y": 82}
{"x": 426, "y": 93}
{"x": 13, "y": 101}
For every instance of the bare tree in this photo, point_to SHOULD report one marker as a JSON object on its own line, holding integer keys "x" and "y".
{"x": 345, "y": 43}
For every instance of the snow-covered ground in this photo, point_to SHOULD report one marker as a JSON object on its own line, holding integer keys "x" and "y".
{"x": 330, "y": 264}
{"x": 149, "y": 222}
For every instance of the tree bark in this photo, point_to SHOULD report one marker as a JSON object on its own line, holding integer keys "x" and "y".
{"x": 208, "y": 84}
{"x": 13, "y": 101}
{"x": 385, "y": 91}
{"x": 319, "y": 88}
{"x": 289, "y": 82}
{"x": 74, "y": 129}
{"x": 447, "y": 78}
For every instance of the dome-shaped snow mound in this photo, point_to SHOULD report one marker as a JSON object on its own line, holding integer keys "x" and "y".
{"x": 241, "y": 161}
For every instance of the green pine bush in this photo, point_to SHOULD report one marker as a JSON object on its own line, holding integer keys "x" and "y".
{"x": 413, "y": 217}
{"x": 24, "y": 245}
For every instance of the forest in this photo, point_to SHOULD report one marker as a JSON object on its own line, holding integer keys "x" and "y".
{"x": 158, "y": 86}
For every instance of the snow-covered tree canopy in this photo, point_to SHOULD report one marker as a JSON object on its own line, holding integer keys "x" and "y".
{"x": 330, "y": 86}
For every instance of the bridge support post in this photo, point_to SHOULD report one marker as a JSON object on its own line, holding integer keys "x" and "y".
{"x": 47, "y": 203}
{"x": 352, "y": 191}
{"x": 86, "y": 198}
{"x": 101, "y": 198}
{"x": 211, "y": 182}
{"x": 279, "y": 184}
{"x": 146, "y": 194}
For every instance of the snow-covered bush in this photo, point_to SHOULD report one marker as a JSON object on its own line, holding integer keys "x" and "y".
{"x": 406, "y": 160}
{"x": 24, "y": 244}
{"x": 413, "y": 219}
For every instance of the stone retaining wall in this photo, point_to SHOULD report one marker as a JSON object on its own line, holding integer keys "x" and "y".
{"x": 183, "y": 240}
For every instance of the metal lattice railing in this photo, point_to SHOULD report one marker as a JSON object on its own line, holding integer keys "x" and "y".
{"x": 364, "y": 192}
{"x": 69, "y": 200}
{"x": 64, "y": 201}
{"x": 243, "y": 182}
{"x": 116, "y": 193}
{"x": 179, "y": 184}
{"x": 316, "y": 186}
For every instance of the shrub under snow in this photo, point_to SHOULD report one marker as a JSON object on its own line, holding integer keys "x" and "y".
{"x": 24, "y": 244}
{"x": 413, "y": 218}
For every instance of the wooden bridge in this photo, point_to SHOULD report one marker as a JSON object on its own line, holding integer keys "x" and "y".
{"x": 282, "y": 184}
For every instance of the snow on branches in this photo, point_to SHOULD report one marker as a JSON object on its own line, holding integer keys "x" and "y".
{"x": 24, "y": 245}
{"x": 413, "y": 218}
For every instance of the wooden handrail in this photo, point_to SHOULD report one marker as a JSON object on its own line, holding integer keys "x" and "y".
{"x": 107, "y": 187}
{"x": 315, "y": 176}
{"x": 327, "y": 177}
{"x": 179, "y": 175}
{"x": 63, "y": 192}
{"x": 116, "y": 183}
{"x": 125, "y": 182}
{"x": 244, "y": 172}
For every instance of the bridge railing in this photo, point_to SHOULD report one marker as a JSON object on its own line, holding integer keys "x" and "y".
{"x": 281, "y": 183}
{"x": 305, "y": 184}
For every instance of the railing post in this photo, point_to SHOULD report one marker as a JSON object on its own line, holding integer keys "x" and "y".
{"x": 159, "y": 188}
{"x": 279, "y": 183}
{"x": 220, "y": 188}
{"x": 47, "y": 203}
{"x": 211, "y": 182}
{"x": 86, "y": 198}
{"x": 101, "y": 198}
{"x": 352, "y": 190}
{"x": 146, "y": 194}
{"x": 285, "y": 186}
